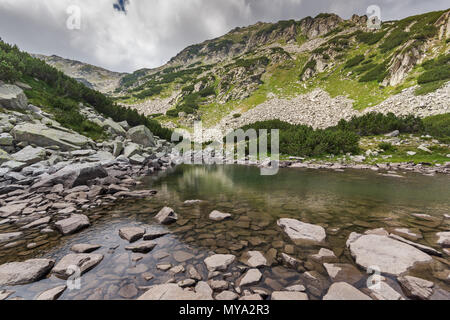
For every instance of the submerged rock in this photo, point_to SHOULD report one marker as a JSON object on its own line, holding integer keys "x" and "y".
{"x": 219, "y": 262}
{"x": 289, "y": 296}
{"x": 143, "y": 247}
{"x": 173, "y": 292}
{"x": 343, "y": 272}
{"x": 302, "y": 232}
{"x": 52, "y": 294}
{"x": 390, "y": 256}
{"x": 254, "y": 259}
{"x": 67, "y": 265}
{"x": 252, "y": 276}
{"x": 85, "y": 248}
{"x": 131, "y": 234}
{"x": 18, "y": 273}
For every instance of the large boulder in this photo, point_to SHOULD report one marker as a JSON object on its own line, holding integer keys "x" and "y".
{"x": 73, "y": 175}
{"x": 301, "y": 232}
{"x": 43, "y": 136}
{"x": 141, "y": 135}
{"x": 18, "y": 273}
{"x": 30, "y": 155}
{"x": 13, "y": 98}
{"x": 114, "y": 127}
{"x": 85, "y": 262}
{"x": 390, "y": 256}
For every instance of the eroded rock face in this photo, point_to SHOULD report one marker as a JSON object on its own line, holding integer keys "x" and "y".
{"x": 13, "y": 98}
{"x": 301, "y": 232}
{"x": 85, "y": 262}
{"x": 388, "y": 255}
{"x": 18, "y": 273}
{"x": 344, "y": 291}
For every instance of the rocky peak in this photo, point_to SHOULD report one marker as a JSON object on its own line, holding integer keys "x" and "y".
{"x": 320, "y": 25}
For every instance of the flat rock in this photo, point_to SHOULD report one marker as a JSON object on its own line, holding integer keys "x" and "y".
{"x": 5, "y": 237}
{"x": 171, "y": 292}
{"x": 344, "y": 291}
{"x": 128, "y": 291}
{"x": 73, "y": 224}
{"x": 143, "y": 247}
{"x": 382, "y": 291}
{"x": 343, "y": 272}
{"x": 419, "y": 246}
{"x": 301, "y": 232}
{"x": 182, "y": 256}
{"x": 155, "y": 234}
{"x": 219, "y": 262}
{"x": 141, "y": 135}
{"x": 288, "y": 296}
{"x": 254, "y": 259}
{"x": 324, "y": 255}
{"x": 252, "y": 276}
{"x": 52, "y": 294}
{"x": 12, "y": 209}
{"x": 18, "y": 273}
{"x": 85, "y": 262}
{"x": 416, "y": 288}
{"x": 37, "y": 223}
{"x": 166, "y": 216}
{"x": 85, "y": 248}
{"x": 131, "y": 234}
{"x": 219, "y": 216}
{"x": 227, "y": 296}
{"x": 30, "y": 155}
{"x": 390, "y": 256}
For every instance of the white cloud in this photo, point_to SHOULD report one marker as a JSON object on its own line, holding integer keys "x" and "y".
{"x": 153, "y": 31}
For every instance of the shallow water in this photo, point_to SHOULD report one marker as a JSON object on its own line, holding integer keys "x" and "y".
{"x": 341, "y": 202}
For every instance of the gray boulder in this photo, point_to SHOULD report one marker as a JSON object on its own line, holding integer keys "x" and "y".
{"x": 6, "y": 139}
{"x": 73, "y": 224}
{"x": 4, "y": 156}
{"x": 30, "y": 155}
{"x": 166, "y": 216}
{"x": 115, "y": 127}
{"x": 141, "y": 135}
{"x": 13, "y": 98}
{"x": 85, "y": 262}
{"x": 43, "y": 136}
{"x": 18, "y": 273}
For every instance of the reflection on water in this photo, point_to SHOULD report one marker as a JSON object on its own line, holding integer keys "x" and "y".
{"x": 340, "y": 202}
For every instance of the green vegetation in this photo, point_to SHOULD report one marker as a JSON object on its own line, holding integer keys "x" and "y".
{"x": 354, "y": 61}
{"x": 387, "y": 147}
{"x": 437, "y": 72}
{"x": 65, "y": 94}
{"x": 370, "y": 38}
{"x": 378, "y": 73}
{"x": 311, "y": 64}
{"x": 438, "y": 126}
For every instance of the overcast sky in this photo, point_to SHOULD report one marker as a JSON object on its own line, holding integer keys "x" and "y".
{"x": 126, "y": 35}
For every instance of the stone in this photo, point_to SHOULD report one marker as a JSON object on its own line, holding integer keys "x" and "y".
{"x": 85, "y": 262}
{"x": 218, "y": 285}
{"x": 171, "y": 292}
{"x": 393, "y": 134}
{"x": 443, "y": 241}
{"x": 251, "y": 297}
{"x": 141, "y": 135}
{"x": 290, "y": 261}
{"x": 187, "y": 283}
{"x": 163, "y": 267}
{"x": 193, "y": 273}
{"x": 6, "y": 139}
{"x": 14, "y": 165}
{"x": 115, "y": 127}
{"x": 227, "y": 296}
{"x": 43, "y": 136}
{"x": 85, "y": 248}
{"x": 4, "y": 157}
{"x": 12, "y": 209}
{"x": 324, "y": 255}
{"x": 296, "y": 288}
{"x": 343, "y": 272}
{"x": 182, "y": 256}
{"x": 300, "y": 232}
{"x": 12, "y": 97}
{"x": 128, "y": 291}
{"x": 19, "y": 273}
{"x": 425, "y": 149}
{"x": 390, "y": 256}
{"x": 344, "y": 291}
{"x": 6, "y": 237}
{"x": 73, "y": 224}
{"x": 382, "y": 291}
{"x": 137, "y": 159}
{"x": 252, "y": 276}
{"x": 288, "y": 296}
{"x": 152, "y": 235}
{"x": 166, "y": 216}
{"x": 142, "y": 247}
{"x": 131, "y": 149}
{"x": 219, "y": 262}
{"x": 421, "y": 247}
{"x": 131, "y": 234}
{"x": 254, "y": 259}
{"x": 416, "y": 288}
{"x": 52, "y": 294}
{"x": 30, "y": 155}
{"x": 219, "y": 216}
{"x": 407, "y": 233}
{"x": 177, "y": 269}
{"x": 204, "y": 291}
{"x": 37, "y": 223}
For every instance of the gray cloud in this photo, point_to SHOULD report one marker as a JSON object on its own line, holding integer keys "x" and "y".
{"x": 153, "y": 31}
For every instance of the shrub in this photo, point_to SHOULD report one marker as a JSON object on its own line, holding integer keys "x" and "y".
{"x": 8, "y": 73}
{"x": 311, "y": 64}
{"x": 387, "y": 147}
{"x": 378, "y": 73}
{"x": 370, "y": 38}
{"x": 237, "y": 115}
{"x": 395, "y": 39}
{"x": 354, "y": 61}
{"x": 438, "y": 126}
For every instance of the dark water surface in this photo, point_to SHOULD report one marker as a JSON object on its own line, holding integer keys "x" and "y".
{"x": 341, "y": 202}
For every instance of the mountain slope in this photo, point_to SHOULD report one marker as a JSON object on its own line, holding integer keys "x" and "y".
{"x": 91, "y": 76}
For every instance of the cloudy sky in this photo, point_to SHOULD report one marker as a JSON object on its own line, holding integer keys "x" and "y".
{"x": 125, "y": 35}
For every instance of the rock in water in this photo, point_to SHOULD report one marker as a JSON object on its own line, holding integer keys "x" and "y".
{"x": 13, "y": 98}
{"x": 73, "y": 224}
{"x": 18, "y": 273}
{"x": 219, "y": 216}
{"x": 343, "y": 272}
{"x": 252, "y": 276}
{"x": 172, "y": 292}
{"x": 52, "y": 294}
{"x": 390, "y": 256}
{"x": 301, "y": 232}
{"x": 254, "y": 259}
{"x": 166, "y": 216}
{"x": 131, "y": 234}
{"x": 289, "y": 296}
{"x": 143, "y": 247}
{"x": 67, "y": 265}
{"x": 344, "y": 291}
{"x": 416, "y": 288}
{"x": 85, "y": 248}
{"x": 219, "y": 262}
{"x": 141, "y": 135}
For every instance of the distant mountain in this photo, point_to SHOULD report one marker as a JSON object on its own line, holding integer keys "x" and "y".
{"x": 93, "y": 77}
